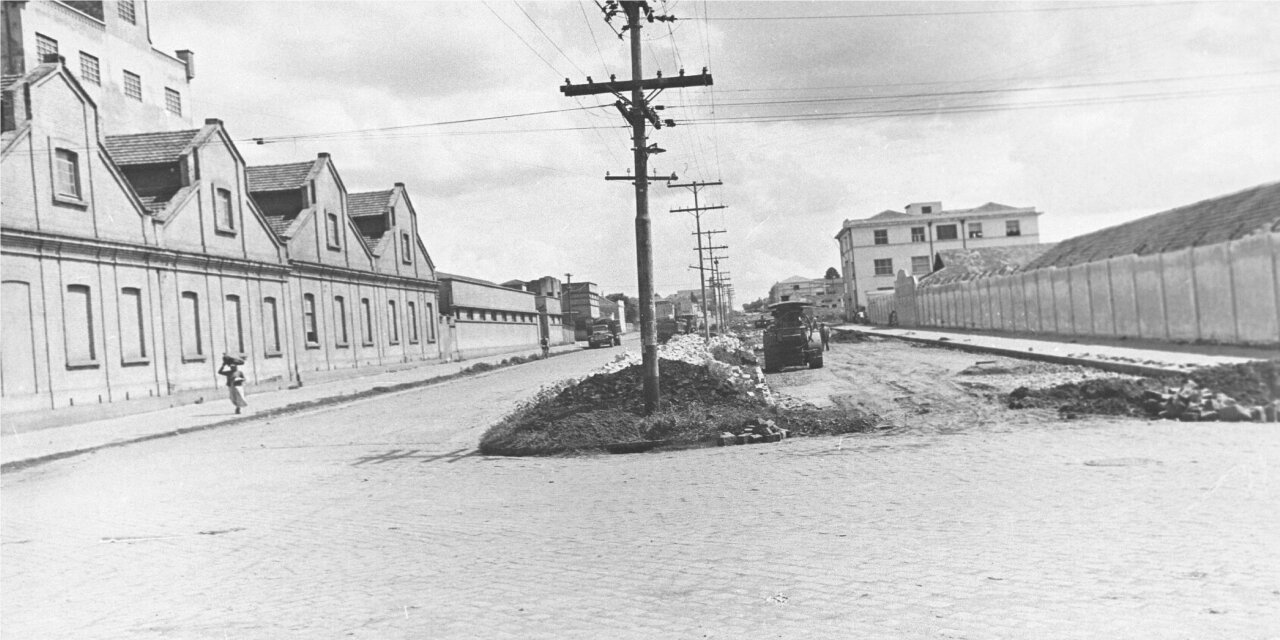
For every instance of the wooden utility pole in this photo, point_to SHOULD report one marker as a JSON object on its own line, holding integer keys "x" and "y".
{"x": 637, "y": 112}
{"x": 697, "y": 216}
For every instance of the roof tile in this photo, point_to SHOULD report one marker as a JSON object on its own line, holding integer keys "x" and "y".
{"x": 279, "y": 177}
{"x": 159, "y": 147}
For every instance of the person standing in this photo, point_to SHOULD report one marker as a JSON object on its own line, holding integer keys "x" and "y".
{"x": 546, "y": 348}
{"x": 825, "y": 332}
{"x": 235, "y": 381}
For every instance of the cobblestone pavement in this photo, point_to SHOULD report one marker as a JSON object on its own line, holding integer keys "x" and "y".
{"x": 376, "y": 520}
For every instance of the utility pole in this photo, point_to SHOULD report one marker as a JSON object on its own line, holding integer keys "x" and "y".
{"x": 697, "y": 216}
{"x": 637, "y": 111}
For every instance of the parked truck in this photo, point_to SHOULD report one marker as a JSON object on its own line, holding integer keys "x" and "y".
{"x": 792, "y": 338}
{"x": 604, "y": 333}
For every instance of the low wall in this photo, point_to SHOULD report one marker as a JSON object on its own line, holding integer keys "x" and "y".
{"x": 1225, "y": 293}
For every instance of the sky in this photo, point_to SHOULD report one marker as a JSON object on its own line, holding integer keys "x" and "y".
{"x": 1094, "y": 113}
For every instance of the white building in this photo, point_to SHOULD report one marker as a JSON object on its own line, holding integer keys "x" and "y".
{"x": 873, "y": 250}
{"x": 107, "y": 45}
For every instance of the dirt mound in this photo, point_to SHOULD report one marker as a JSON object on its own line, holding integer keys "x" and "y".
{"x": 1255, "y": 382}
{"x": 1103, "y": 396}
{"x": 680, "y": 383}
{"x": 838, "y": 335}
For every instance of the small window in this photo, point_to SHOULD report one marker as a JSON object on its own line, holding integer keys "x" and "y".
{"x": 67, "y": 173}
{"x": 224, "y": 212}
{"x": 920, "y": 265}
{"x": 471, "y": 315}
{"x": 393, "y": 322}
{"x": 172, "y": 101}
{"x": 235, "y": 325}
{"x": 133, "y": 86}
{"x": 271, "y": 332}
{"x": 340, "y": 319}
{"x": 133, "y": 332}
{"x": 310, "y": 332}
{"x": 406, "y": 248}
{"x": 881, "y": 236}
{"x": 884, "y": 266}
{"x": 45, "y": 46}
{"x": 412, "y": 309}
{"x": 335, "y": 231}
{"x": 975, "y": 229}
{"x": 89, "y": 69}
{"x": 127, "y": 12}
{"x": 947, "y": 232}
{"x": 192, "y": 338}
{"x": 926, "y": 209}
{"x": 431, "y": 322}
{"x": 1012, "y": 228}
{"x": 366, "y": 320}
{"x": 917, "y": 234}
{"x": 78, "y": 326}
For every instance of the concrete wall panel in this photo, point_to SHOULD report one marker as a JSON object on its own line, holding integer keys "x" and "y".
{"x": 1254, "y": 278}
{"x": 1179, "y": 295}
{"x": 1124, "y": 303}
{"x": 1214, "y": 295}
{"x": 1099, "y": 277}
{"x": 1149, "y": 294}
{"x": 1062, "y": 311}
{"x": 1081, "y": 311}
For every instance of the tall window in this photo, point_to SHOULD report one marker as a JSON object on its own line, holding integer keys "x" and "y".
{"x": 884, "y": 267}
{"x": 78, "y": 326}
{"x": 271, "y": 330}
{"x": 133, "y": 333}
{"x": 406, "y": 248}
{"x": 335, "y": 231}
{"x": 947, "y": 232}
{"x": 67, "y": 173}
{"x": 192, "y": 342}
{"x": 393, "y": 322}
{"x": 133, "y": 85}
{"x": 223, "y": 212}
{"x": 366, "y": 322}
{"x": 45, "y": 46}
{"x": 89, "y": 70}
{"x": 340, "y": 319}
{"x": 309, "y": 320}
{"x": 235, "y": 325}
{"x": 881, "y": 236}
{"x": 1012, "y": 228}
{"x": 412, "y": 310}
{"x": 920, "y": 264}
{"x": 975, "y": 229}
{"x": 917, "y": 234}
{"x": 127, "y": 12}
{"x": 173, "y": 101}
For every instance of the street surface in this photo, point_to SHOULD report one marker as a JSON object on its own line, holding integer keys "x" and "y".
{"x": 377, "y": 520}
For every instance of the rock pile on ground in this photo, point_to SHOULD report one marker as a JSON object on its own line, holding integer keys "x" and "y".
{"x": 754, "y": 432}
{"x": 1192, "y": 403}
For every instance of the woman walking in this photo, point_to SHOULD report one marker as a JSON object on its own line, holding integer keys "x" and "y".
{"x": 235, "y": 380}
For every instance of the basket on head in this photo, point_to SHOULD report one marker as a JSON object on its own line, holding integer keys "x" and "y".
{"x": 232, "y": 360}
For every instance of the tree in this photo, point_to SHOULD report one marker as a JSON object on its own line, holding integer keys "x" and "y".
{"x": 632, "y": 311}
{"x": 755, "y": 305}
{"x": 832, "y": 273}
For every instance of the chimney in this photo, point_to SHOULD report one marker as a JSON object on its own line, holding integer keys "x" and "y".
{"x": 400, "y": 184}
{"x": 322, "y": 154}
{"x": 213, "y": 121}
{"x": 188, "y": 57}
{"x": 53, "y": 58}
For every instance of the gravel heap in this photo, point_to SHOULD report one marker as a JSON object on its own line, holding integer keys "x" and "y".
{"x": 1191, "y": 403}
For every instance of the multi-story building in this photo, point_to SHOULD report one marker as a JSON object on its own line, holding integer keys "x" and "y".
{"x": 824, "y": 294}
{"x": 873, "y": 250}
{"x": 133, "y": 262}
{"x": 107, "y": 46}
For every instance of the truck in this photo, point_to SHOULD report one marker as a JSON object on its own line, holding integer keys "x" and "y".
{"x": 792, "y": 338}
{"x": 604, "y": 333}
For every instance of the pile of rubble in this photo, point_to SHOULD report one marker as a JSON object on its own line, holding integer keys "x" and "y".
{"x": 1192, "y": 403}
{"x": 754, "y": 432}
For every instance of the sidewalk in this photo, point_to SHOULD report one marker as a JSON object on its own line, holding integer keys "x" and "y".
{"x": 27, "y": 448}
{"x": 1146, "y": 361}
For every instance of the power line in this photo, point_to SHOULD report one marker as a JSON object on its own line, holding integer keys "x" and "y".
{"x": 862, "y": 16}
{"x": 553, "y": 42}
{"x": 267, "y": 139}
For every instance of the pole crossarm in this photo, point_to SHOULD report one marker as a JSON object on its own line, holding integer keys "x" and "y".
{"x": 705, "y": 233}
{"x": 692, "y": 209}
{"x": 620, "y": 86}
{"x": 649, "y": 178}
{"x": 697, "y": 185}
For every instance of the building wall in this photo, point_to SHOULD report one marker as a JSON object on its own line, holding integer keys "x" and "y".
{"x": 859, "y": 253}
{"x": 119, "y": 46}
{"x": 1225, "y": 293}
{"x": 489, "y": 318}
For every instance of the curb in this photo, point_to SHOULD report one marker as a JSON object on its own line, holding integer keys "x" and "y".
{"x": 1117, "y": 367}
{"x": 289, "y": 409}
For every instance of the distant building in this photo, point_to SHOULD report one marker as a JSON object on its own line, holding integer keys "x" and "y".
{"x": 873, "y": 250}
{"x": 487, "y": 317}
{"x": 107, "y": 46}
{"x": 825, "y": 295}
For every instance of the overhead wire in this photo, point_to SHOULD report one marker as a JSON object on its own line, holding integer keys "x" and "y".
{"x": 978, "y": 12}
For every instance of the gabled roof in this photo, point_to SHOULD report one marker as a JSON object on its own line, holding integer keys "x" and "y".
{"x": 890, "y": 214}
{"x": 160, "y": 147}
{"x": 1206, "y": 222}
{"x": 369, "y": 203}
{"x": 959, "y": 265}
{"x": 279, "y": 177}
